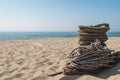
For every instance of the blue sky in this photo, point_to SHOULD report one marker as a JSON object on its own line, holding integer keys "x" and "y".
{"x": 57, "y": 15}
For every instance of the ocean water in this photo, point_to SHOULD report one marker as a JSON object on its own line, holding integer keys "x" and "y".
{"x": 31, "y": 35}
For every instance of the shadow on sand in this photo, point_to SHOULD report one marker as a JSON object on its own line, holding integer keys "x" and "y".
{"x": 103, "y": 75}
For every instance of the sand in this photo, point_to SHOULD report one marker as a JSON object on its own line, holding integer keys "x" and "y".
{"x": 33, "y": 59}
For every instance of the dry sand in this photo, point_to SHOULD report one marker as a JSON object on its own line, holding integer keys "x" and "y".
{"x": 33, "y": 59}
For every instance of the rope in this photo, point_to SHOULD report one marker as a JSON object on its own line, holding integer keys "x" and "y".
{"x": 87, "y": 57}
{"x": 90, "y": 60}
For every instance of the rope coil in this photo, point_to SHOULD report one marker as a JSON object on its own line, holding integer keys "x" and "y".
{"x": 89, "y": 59}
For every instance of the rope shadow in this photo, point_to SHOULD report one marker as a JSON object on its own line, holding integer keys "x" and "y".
{"x": 103, "y": 75}
{"x": 70, "y": 77}
{"x": 109, "y": 72}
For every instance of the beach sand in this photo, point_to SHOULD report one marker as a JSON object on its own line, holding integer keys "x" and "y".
{"x": 33, "y": 59}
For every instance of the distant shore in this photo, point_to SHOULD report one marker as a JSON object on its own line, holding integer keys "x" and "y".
{"x": 33, "y": 59}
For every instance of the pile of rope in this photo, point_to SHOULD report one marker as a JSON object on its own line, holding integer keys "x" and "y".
{"x": 90, "y": 60}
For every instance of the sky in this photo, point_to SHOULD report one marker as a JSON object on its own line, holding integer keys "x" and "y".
{"x": 57, "y": 15}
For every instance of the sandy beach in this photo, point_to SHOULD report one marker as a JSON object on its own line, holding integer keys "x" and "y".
{"x": 33, "y": 59}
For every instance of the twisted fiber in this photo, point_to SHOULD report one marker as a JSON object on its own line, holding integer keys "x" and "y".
{"x": 89, "y": 60}
{"x": 92, "y": 57}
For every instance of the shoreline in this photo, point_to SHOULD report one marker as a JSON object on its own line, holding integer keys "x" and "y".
{"x": 46, "y": 38}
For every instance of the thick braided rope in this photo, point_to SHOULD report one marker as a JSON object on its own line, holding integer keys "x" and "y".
{"x": 91, "y": 57}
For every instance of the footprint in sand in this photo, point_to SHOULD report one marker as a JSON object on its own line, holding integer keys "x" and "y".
{"x": 4, "y": 73}
{"x": 50, "y": 63}
{"x": 19, "y": 75}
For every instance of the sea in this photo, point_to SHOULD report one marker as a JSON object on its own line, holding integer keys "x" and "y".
{"x": 33, "y": 35}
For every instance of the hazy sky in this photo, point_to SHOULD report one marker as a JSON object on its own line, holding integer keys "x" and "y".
{"x": 57, "y": 15}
